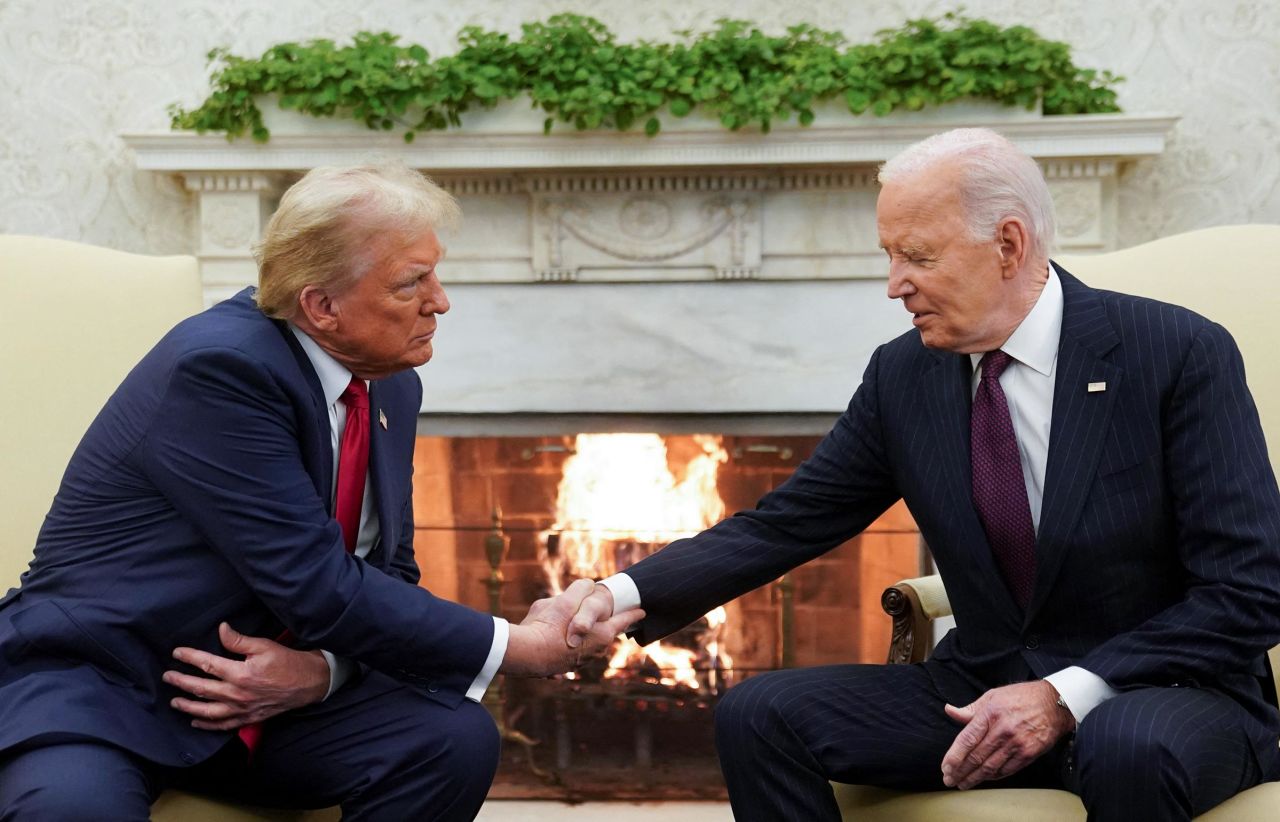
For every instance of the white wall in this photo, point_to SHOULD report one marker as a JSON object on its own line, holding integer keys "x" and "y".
{"x": 76, "y": 73}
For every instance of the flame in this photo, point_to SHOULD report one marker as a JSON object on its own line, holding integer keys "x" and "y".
{"x": 617, "y": 488}
{"x": 675, "y": 665}
{"x": 619, "y": 501}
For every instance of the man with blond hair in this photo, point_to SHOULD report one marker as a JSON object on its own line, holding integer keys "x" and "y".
{"x": 223, "y": 595}
{"x": 1089, "y": 471}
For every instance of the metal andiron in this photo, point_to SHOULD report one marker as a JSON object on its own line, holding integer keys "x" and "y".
{"x": 496, "y": 544}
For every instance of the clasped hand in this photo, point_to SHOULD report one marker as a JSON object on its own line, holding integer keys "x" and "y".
{"x": 560, "y": 631}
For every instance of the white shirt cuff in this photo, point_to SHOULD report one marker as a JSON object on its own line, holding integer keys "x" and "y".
{"x": 340, "y": 670}
{"x": 498, "y": 650}
{"x": 1082, "y": 690}
{"x": 626, "y": 595}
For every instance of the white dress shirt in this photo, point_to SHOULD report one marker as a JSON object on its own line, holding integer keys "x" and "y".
{"x": 334, "y": 379}
{"x": 1028, "y": 386}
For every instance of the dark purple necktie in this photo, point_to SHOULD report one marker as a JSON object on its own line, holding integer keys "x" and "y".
{"x": 999, "y": 492}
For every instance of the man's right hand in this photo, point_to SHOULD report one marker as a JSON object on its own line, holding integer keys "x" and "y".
{"x": 595, "y": 609}
{"x": 540, "y": 645}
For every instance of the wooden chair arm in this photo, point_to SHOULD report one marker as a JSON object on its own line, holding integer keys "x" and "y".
{"x": 913, "y": 604}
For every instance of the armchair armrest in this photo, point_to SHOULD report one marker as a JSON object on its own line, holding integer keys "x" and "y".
{"x": 913, "y": 604}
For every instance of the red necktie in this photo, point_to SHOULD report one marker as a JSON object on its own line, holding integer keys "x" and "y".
{"x": 353, "y": 462}
{"x": 353, "y": 467}
{"x": 999, "y": 491}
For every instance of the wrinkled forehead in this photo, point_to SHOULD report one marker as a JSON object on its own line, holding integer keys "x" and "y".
{"x": 926, "y": 204}
{"x": 939, "y": 183}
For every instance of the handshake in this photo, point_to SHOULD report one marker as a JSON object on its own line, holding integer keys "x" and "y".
{"x": 561, "y": 631}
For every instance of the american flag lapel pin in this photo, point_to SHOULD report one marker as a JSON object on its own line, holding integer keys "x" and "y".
{"x": 1094, "y": 388}
{"x": 382, "y": 418}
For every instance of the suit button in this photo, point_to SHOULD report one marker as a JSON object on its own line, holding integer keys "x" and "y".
{"x": 1032, "y": 642}
{"x": 432, "y": 688}
{"x": 188, "y": 757}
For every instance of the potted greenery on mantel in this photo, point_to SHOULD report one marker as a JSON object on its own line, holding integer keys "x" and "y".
{"x": 573, "y": 70}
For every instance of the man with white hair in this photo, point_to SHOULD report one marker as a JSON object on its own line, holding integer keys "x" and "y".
{"x": 254, "y": 470}
{"x": 1089, "y": 472}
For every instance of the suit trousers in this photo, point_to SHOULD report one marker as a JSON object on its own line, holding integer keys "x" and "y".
{"x": 378, "y": 748}
{"x": 1153, "y": 753}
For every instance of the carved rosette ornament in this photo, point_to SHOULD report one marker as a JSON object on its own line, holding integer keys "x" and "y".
{"x": 1076, "y": 204}
{"x": 645, "y": 218}
{"x": 226, "y": 225}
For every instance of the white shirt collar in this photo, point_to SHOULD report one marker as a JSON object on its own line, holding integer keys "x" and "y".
{"x": 334, "y": 378}
{"x": 1034, "y": 343}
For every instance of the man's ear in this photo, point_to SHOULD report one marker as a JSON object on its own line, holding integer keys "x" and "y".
{"x": 318, "y": 308}
{"x": 1013, "y": 242}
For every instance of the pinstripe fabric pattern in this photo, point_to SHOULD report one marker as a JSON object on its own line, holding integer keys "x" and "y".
{"x": 1158, "y": 553}
{"x": 1162, "y": 754}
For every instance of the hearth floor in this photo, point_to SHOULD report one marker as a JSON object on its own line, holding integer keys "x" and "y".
{"x": 503, "y": 810}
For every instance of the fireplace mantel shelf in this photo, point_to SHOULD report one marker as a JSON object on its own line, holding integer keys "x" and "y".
{"x": 700, "y": 271}
{"x": 1116, "y": 136}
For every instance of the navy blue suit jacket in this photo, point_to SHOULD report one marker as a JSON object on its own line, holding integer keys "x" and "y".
{"x": 201, "y": 493}
{"x": 1158, "y": 552}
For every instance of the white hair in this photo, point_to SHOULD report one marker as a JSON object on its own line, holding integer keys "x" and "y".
{"x": 999, "y": 181}
{"x": 327, "y": 227}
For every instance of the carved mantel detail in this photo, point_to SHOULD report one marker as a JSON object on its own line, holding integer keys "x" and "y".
{"x": 678, "y": 236}
{"x": 683, "y": 207}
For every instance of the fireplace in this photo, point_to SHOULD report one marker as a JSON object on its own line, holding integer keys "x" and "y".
{"x": 637, "y": 724}
{"x": 704, "y": 282}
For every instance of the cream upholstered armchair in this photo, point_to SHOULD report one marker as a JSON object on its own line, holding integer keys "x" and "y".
{"x": 1229, "y": 274}
{"x": 74, "y": 319}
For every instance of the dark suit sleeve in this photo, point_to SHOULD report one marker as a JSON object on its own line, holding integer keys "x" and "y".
{"x": 404, "y": 564}
{"x": 832, "y": 496}
{"x": 223, "y": 448}
{"x": 1227, "y": 511}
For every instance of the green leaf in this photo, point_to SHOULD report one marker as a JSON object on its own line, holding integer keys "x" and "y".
{"x": 651, "y": 126}
{"x": 857, "y": 100}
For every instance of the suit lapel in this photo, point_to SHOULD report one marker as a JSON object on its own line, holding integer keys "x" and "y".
{"x": 948, "y": 398}
{"x": 321, "y": 446}
{"x": 1080, "y": 426}
{"x": 380, "y": 468}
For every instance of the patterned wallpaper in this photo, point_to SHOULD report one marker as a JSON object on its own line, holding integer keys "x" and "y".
{"x": 76, "y": 73}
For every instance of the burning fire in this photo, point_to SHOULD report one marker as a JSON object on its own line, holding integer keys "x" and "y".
{"x": 676, "y": 665}
{"x": 618, "y": 502}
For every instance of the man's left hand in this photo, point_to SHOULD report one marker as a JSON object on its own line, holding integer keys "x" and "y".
{"x": 1005, "y": 730}
{"x": 270, "y": 680}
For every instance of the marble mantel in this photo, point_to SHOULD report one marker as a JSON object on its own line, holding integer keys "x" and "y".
{"x": 701, "y": 271}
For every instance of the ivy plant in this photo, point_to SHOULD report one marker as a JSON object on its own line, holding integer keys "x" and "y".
{"x": 576, "y": 72}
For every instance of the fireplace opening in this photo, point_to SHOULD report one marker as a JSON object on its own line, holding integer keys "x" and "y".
{"x": 502, "y": 521}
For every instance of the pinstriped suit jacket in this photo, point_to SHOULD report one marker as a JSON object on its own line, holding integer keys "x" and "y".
{"x": 1158, "y": 555}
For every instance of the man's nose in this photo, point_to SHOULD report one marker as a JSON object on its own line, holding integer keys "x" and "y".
{"x": 436, "y": 302}
{"x": 899, "y": 285}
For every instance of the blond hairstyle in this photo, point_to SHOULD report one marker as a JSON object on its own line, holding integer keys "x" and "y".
{"x": 999, "y": 181}
{"x": 332, "y": 223}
